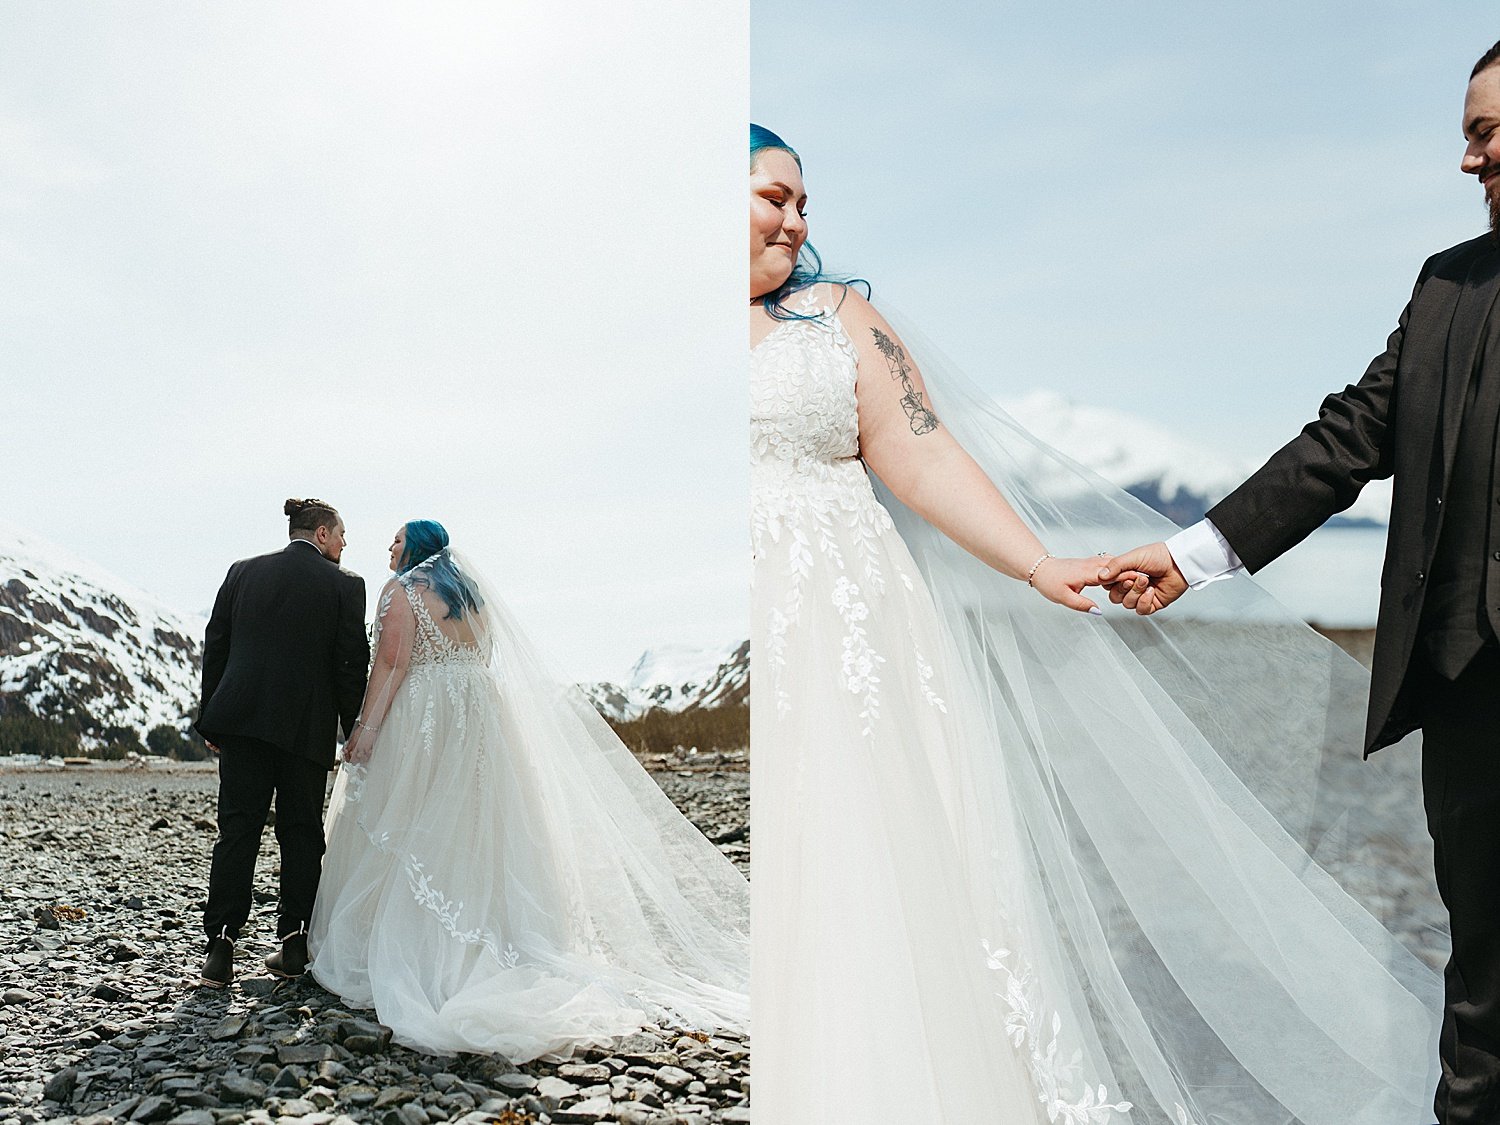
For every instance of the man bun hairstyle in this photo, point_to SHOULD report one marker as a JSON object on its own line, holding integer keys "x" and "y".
{"x": 1487, "y": 60}
{"x": 309, "y": 515}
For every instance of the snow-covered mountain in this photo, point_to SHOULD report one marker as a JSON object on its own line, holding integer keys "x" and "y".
{"x": 77, "y": 641}
{"x": 677, "y": 678}
{"x": 1180, "y": 477}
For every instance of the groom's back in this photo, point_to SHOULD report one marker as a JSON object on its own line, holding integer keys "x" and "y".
{"x": 280, "y": 659}
{"x": 285, "y": 606}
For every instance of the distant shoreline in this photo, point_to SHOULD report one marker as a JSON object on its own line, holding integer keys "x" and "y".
{"x": 1358, "y": 643}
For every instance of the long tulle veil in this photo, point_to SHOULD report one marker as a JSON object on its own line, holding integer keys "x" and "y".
{"x": 1227, "y": 908}
{"x": 665, "y": 916}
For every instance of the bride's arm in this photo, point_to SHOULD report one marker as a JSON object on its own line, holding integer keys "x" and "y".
{"x": 398, "y": 629}
{"x": 907, "y": 446}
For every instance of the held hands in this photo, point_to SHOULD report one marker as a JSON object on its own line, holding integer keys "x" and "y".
{"x": 1145, "y": 579}
{"x": 1061, "y": 580}
{"x": 358, "y": 745}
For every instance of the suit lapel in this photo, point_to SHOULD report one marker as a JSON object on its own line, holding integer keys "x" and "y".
{"x": 1470, "y": 316}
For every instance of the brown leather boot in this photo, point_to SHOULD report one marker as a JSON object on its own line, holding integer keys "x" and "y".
{"x": 218, "y": 966}
{"x": 291, "y": 961}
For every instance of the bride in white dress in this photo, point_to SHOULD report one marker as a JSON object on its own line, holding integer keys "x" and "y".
{"x": 1014, "y": 864}
{"x": 501, "y": 875}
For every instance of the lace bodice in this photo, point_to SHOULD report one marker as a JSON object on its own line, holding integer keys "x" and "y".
{"x": 431, "y": 645}
{"x": 804, "y": 422}
{"x": 803, "y": 411}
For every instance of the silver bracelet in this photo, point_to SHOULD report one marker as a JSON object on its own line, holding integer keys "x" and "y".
{"x": 1030, "y": 574}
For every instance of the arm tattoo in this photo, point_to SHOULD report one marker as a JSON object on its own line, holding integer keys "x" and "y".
{"x": 921, "y": 419}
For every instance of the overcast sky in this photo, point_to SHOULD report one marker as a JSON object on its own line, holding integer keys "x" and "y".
{"x": 1211, "y": 215}
{"x": 480, "y": 262}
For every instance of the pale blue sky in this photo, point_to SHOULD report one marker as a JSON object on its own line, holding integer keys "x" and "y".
{"x": 476, "y": 262}
{"x": 1208, "y": 214}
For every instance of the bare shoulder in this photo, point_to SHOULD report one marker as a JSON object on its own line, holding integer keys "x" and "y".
{"x": 872, "y": 335}
{"x": 853, "y": 308}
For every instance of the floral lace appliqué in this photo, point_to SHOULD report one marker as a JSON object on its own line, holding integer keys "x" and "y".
{"x": 924, "y": 671}
{"x": 449, "y": 912}
{"x": 860, "y": 660}
{"x": 1031, "y": 1032}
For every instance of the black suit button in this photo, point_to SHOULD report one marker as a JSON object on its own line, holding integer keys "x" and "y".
{"x": 1421, "y": 577}
{"x": 1497, "y": 556}
{"x": 1439, "y": 502}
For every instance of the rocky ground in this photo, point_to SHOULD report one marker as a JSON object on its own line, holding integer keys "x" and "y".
{"x": 102, "y": 873}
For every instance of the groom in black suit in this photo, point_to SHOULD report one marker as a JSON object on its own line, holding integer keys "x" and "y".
{"x": 1426, "y": 413}
{"x": 284, "y": 664}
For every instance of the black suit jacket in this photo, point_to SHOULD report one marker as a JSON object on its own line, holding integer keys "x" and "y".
{"x": 1401, "y": 420}
{"x": 285, "y": 655}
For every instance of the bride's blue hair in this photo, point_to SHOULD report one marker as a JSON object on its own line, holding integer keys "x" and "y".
{"x": 426, "y": 541}
{"x": 809, "y": 267}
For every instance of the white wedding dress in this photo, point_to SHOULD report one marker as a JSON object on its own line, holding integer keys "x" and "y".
{"x": 502, "y": 876}
{"x": 1000, "y": 874}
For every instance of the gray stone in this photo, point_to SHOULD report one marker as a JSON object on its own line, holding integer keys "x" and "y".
{"x": 639, "y": 1043}
{"x": 736, "y": 1115}
{"x": 19, "y": 996}
{"x": 228, "y": 1028}
{"x": 123, "y": 951}
{"x": 584, "y": 1072}
{"x": 154, "y": 1108}
{"x": 516, "y": 1083}
{"x": 193, "y": 1117}
{"x": 490, "y": 1068}
{"x": 672, "y": 1077}
{"x": 59, "y": 1087}
{"x": 304, "y": 1053}
{"x": 554, "y": 1091}
{"x": 287, "y": 1078}
{"x": 238, "y": 1088}
{"x": 359, "y": 1094}
{"x": 253, "y": 1054}
{"x": 356, "y": 1028}
{"x": 584, "y": 1112}
{"x": 413, "y": 1114}
{"x": 363, "y": 1044}
{"x": 393, "y": 1096}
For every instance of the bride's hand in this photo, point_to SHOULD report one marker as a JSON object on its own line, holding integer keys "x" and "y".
{"x": 1060, "y": 580}
{"x": 357, "y": 747}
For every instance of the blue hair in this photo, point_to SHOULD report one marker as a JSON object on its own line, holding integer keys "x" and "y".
{"x": 425, "y": 540}
{"x": 809, "y": 267}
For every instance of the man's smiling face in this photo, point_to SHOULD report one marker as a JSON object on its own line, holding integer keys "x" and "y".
{"x": 1482, "y": 132}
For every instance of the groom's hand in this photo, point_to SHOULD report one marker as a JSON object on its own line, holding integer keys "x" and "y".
{"x": 1164, "y": 585}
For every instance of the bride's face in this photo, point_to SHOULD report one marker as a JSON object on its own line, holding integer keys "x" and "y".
{"x": 398, "y": 547}
{"x": 778, "y": 226}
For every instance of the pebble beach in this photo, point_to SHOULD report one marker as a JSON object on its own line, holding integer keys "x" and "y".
{"x": 102, "y": 875}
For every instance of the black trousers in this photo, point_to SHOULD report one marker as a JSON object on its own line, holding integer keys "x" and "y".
{"x": 1461, "y": 794}
{"x": 250, "y": 774}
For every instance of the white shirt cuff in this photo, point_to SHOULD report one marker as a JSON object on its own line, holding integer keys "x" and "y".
{"x": 1203, "y": 555}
